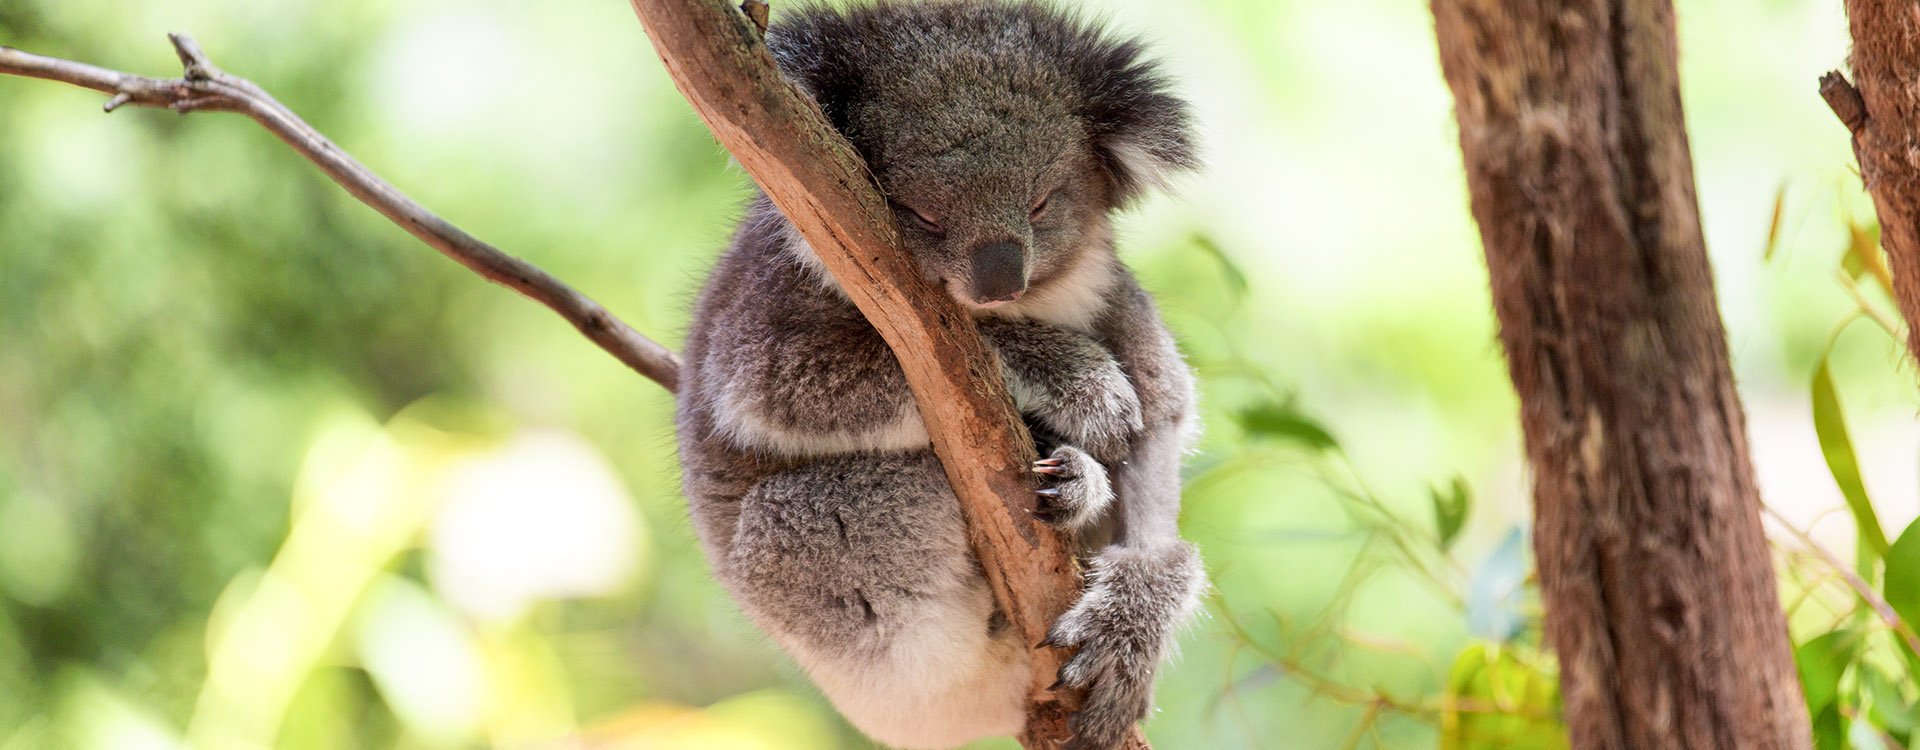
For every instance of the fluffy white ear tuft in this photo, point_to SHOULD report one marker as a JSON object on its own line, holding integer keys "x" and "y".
{"x": 1142, "y": 163}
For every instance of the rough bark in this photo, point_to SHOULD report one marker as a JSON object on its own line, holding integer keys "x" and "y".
{"x": 1659, "y": 591}
{"x": 717, "y": 58}
{"x": 1882, "y": 108}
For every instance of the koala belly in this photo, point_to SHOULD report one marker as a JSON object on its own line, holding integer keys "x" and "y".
{"x": 858, "y": 566}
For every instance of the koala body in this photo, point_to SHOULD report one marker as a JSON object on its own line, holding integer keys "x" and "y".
{"x": 1004, "y": 134}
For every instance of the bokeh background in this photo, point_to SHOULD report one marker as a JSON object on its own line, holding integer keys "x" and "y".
{"x": 274, "y": 474}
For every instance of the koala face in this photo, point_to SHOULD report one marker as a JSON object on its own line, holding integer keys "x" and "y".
{"x": 1002, "y": 132}
{"x": 997, "y": 192}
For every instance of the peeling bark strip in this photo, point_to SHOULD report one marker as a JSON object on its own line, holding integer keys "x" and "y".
{"x": 1658, "y": 587}
{"x": 1885, "y": 120}
{"x": 719, "y": 61}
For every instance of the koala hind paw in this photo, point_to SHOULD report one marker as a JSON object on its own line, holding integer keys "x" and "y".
{"x": 1075, "y": 490}
{"x": 1122, "y": 626}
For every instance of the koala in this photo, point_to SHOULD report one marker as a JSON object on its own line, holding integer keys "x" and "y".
{"x": 1004, "y": 134}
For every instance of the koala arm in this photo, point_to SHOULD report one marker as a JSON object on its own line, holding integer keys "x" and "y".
{"x": 1069, "y": 382}
{"x": 1142, "y": 587}
{"x": 1147, "y": 481}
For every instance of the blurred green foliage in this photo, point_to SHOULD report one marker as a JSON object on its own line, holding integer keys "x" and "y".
{"x": 273, "y": 474}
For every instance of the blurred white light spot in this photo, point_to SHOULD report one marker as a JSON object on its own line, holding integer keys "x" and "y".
{"x": 423, "y": 659}
{"x": 447, "y": 74}
{"x": 543, "y": 517}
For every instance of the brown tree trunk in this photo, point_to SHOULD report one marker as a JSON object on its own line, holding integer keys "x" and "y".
{"x": 1884, "y": 115}
{"x": 1659, "y": 590}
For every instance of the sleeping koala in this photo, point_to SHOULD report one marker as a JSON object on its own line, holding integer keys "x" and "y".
{"x": 1004, "y": 134}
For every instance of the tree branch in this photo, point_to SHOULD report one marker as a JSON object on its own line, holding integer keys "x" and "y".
{"x": 206, "y": 88}
{"x": 718, "y": 59}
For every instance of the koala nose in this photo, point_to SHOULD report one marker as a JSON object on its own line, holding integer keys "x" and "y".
{"x": 999, "y": 272}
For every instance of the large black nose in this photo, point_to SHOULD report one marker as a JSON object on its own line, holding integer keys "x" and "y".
{"x": 999, "y": 272}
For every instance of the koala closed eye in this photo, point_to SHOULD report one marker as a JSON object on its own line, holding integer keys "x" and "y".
{"x": 1039, "y": 207}
{"x": 923, "y": 220}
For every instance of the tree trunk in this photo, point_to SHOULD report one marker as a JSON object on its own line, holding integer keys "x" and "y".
{"x": 1884, "y": 115}
{"x": 1658, "y": 586}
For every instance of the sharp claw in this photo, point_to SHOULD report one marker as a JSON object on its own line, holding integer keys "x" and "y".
{"x": 1048, "y": 462}
{"x": 1048, "y": 492}
{"x": 1057, "y": 684}
{"x": 1054, "y": 470}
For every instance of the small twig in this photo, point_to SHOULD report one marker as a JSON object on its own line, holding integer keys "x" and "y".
{"x": 1844, "y": 99}
{"x": 1901, "y": 629}
{"x": 1892, "y": 326}
{"x": 207, "y": 88}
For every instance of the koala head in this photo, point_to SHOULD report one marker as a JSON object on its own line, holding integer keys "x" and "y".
{"x": 1002, "y": 132}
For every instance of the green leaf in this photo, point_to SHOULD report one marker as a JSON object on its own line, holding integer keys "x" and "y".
{"x": 1891, "y": 709}
{"x": 1450, "y": 510}
{"x": 1902, "y": 587}
{"x": 1829, "y": 730}
{"x": 1501, "y": 697}
{"x": 1822, "y": 661}
{"x": 1236, "y": 279}
{"x": 1282, "y": 421}
{"x": 1831, "y": 426}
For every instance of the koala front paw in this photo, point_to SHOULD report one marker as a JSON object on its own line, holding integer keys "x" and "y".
{"x": 1076, "y": 490}
{"x": 1098, "y": 411}
{"x": 1125, "y": 621}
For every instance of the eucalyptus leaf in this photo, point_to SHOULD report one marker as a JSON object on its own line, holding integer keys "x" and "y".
{"x": 1271, "y": 419}
{"x": 1822, "y": 662}
{"x": 1236, "y": 279}
{"x": 1830, "y": 424}
{"x": 1902, "y": 586}
{"x": 1450, "y": 510}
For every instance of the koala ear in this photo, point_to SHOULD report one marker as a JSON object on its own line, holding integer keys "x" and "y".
{"x": 819, "y": 50}
{"x": 1142, "y": 134}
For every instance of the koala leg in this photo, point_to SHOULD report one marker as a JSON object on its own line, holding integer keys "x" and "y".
{"x": 1139, "y": 591}
{"x": 858, "y": 565}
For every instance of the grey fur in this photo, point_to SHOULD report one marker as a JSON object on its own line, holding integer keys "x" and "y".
{"x": 807, "y": 469}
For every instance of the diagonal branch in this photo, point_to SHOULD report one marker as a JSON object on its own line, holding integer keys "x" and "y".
{"x": 719, "y": 60}
{"x": 206, "y": 88}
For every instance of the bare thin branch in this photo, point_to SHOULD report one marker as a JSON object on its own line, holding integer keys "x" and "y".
{"x": 206, "y": 88}
{"x": 1900, "y": 628}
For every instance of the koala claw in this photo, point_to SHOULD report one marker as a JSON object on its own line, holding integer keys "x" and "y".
{"x": 1079, "y": 490}
{"x": 1135, "y": 598}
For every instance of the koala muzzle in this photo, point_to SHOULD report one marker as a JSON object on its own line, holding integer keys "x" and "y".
{"x": 999, "y": 272}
